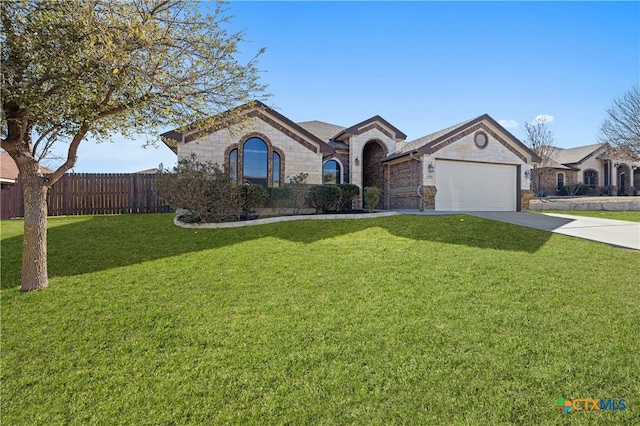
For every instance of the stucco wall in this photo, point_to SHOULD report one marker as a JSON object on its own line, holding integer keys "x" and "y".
{"x": 297, "y": 158}
{"x": 592, "y": 163}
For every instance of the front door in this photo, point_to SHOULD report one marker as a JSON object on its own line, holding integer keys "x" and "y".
{"x": 622, "y": 180}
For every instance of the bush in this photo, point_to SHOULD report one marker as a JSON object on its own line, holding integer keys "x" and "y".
{"x": 299, "y": 191}
{"x": 371, "y": 197}
{"x": 325, "y": 197}
{"x": 253, "y": 198}
{"x": 280, "y": 198}
{"x": 349, "y": 192}
{"x": 205, "y": 190}
{"x": 572, "y": 190}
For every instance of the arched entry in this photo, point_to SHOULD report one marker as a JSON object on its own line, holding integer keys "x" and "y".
{"x": 372, "y": 168}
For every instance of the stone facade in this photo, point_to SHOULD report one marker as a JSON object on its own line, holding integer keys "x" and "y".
{"x": 429, "y": 197}
{"x": 367, "y": 153}
{"x": 465, "y": 149}
{"x": 547, "y": 179}
{"x": 525, "y": 199}
{"x": 296, "y": 158}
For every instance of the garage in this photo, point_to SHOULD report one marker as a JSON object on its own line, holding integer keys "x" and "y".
{"x": 475, "y": 186}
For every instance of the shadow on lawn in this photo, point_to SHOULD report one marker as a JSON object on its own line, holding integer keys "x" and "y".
{"x": 106, "y": 242}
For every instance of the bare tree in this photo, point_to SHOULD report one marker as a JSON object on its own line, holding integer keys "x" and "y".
{"x": 621, "y": 127}
{"x": 540, "y": 139}
{"x": 72, "y": 70}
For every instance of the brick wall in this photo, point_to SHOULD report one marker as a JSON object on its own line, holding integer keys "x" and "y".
{"x": 403, "y": 182}
{"x": 373, "y": 173}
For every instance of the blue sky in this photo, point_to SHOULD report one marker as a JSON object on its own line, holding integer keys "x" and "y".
{"x": 424, "y": 66}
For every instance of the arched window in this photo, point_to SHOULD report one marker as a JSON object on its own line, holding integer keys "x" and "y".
{"x": 331, "y": 172}
{"x": 560, "y": 180}
{"x": 591, "y": 178}
{"x": 255, "y": 159}
{"x": 233, "y": 164}
{"x": 276, "y": 169}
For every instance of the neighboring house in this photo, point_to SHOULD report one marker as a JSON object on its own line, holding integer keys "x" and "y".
{"x": 9, "y": 170}
{"x": 475, "y": 165}
{"x": 590, "y": 166}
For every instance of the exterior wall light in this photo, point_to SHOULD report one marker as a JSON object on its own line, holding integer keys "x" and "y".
{"x": 431, "y": 168}
{"x": 357, "y": 161}
{"x": 527, "y": 174}
{"x": 616, "y": 164}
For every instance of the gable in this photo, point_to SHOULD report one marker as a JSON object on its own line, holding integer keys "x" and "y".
{"x": 375, "y": 122}
{"x": 488, "y": 125}
{"x": 256, "y": 110}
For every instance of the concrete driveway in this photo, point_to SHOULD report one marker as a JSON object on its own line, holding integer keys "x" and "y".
{"x": 618, "y": 233}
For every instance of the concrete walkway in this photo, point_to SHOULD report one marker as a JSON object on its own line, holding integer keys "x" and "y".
{"x": 617, "y": 233}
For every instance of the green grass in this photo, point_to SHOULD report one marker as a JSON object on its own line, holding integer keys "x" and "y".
{"x": 398, "y": 320}
{"x": 632, "y": 216}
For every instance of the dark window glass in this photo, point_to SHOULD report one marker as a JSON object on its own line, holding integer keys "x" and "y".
{"x": 233, "y": 164}
{"x": 255, "y": 161}
{"x": 276, "y": 169}
{"x": 331, "y": 172}
{"x": 560, "y": 180}
{"x": 591, "y": 178}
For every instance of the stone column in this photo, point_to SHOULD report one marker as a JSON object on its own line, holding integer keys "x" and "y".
{"x": 428, "y": 197}
{"x": 525, "y": 199}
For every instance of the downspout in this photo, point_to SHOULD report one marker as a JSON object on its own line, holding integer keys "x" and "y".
{"x": 419, "y": 189}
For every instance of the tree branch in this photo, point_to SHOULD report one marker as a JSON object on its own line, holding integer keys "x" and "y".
{"x": 71, "y": 155}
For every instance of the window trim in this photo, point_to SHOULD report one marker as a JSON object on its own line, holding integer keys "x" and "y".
{"x": 595, "y": 178}
{"x": 340, "y": 166}
{"x": 558, "y": 180}
{"x": 273, "y": 169}
{"x": 270, "y": 151}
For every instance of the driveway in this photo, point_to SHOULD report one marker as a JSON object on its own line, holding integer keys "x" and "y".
{"x": 618, "y": 233}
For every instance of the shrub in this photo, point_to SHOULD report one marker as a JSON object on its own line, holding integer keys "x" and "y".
{"x": 299, "y": 191}
{"x": 325, "y": 197}
{"x": 280, "y": 198}
{"x": 253, "y": 198}
{"x": 205, "y": 190}
{"x": 371, "y": 197}
{"x": 572, "y": 190}
{"x": 349, "y": 192}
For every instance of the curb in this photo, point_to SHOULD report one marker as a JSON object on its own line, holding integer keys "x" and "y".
{"x": 277, "y": 219}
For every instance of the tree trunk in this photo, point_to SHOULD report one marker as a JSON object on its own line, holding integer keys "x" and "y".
{"x": 34, "y": 253}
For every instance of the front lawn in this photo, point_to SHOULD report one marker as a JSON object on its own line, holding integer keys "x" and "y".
{"x": 397, "y": 320}
{"x": 632, "y": 216}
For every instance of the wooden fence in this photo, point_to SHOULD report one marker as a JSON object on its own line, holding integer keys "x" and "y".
{"x": 90, "y": 193}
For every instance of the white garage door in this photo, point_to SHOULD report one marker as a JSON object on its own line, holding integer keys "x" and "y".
{"x": 469, "y": 186}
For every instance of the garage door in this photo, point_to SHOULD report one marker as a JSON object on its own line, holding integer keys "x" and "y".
{"x": 469, "y": 186}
